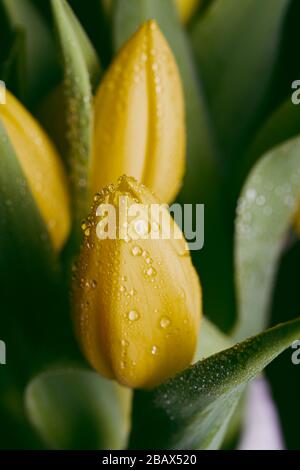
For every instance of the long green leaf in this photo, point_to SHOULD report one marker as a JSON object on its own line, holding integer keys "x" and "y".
{"x": 77, "y": 409}
{"x": 81, "y": 68}
{"x": 237, "y": 44}
{"x": 192, "y": 410}
{"x": 86, "y": 47}
{"x": 266, "y": 210}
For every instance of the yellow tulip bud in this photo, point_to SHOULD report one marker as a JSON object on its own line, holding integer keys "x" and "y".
{"x": 186, "y": 8}
{"x": 297, "y": 221}
{"x": 41, "y": 166}
{"x": 139, "y": 117}
{"x": 137, "y": 300}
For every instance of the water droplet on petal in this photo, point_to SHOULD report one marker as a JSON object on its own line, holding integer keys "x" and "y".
{"x": 133, "y": 315}
{"x": 136, "y": 251}
{"x": 164, "y": 322}
{"x": 132, "y": 292}
{"x": 151, "y": 272}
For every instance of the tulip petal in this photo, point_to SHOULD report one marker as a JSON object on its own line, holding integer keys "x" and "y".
{"x": 137, "y": 303}
{"x": 42, "y": 168}
{"x": 202, "y": 172}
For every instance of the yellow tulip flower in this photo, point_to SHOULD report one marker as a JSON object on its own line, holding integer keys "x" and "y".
{"x": 140, "y": 118}
{"x": 41, "y": 166}
{"x": 186, "y": 8}
{"x": 137, "y": 299}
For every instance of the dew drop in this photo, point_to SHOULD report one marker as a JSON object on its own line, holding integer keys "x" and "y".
{"x": 182, "y": 294}
{"x": 251, "y": 194}
{"x": 151, "y": 272}
{"x": 132, "y": 292}
{"x": 133, "y": 315}
{"x": 154, "y": 350}
{"x": 165, "y": 322}
{"x": 141, "y": 227}
{"x": 136, "y": 251}
{"x": 261, "y": 200}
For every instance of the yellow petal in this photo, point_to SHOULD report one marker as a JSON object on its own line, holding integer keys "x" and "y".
{"x": 186, "y": 8}
{"x": 139, "y": 117}
{"x": 42, "y": 168}
{"x": 137, "y": 303}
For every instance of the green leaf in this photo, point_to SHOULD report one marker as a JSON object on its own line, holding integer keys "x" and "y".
{"x": 237, "y": 45}
{"x": 40, "y": 59}
{"x": 266, "y": 210}
{"x": 81, "y": 69}
{"x": 86, "y": 48}
{"x": 77, "y": 409}
{"x": 192, "y": 410}
{"x": 201, "y": 172}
